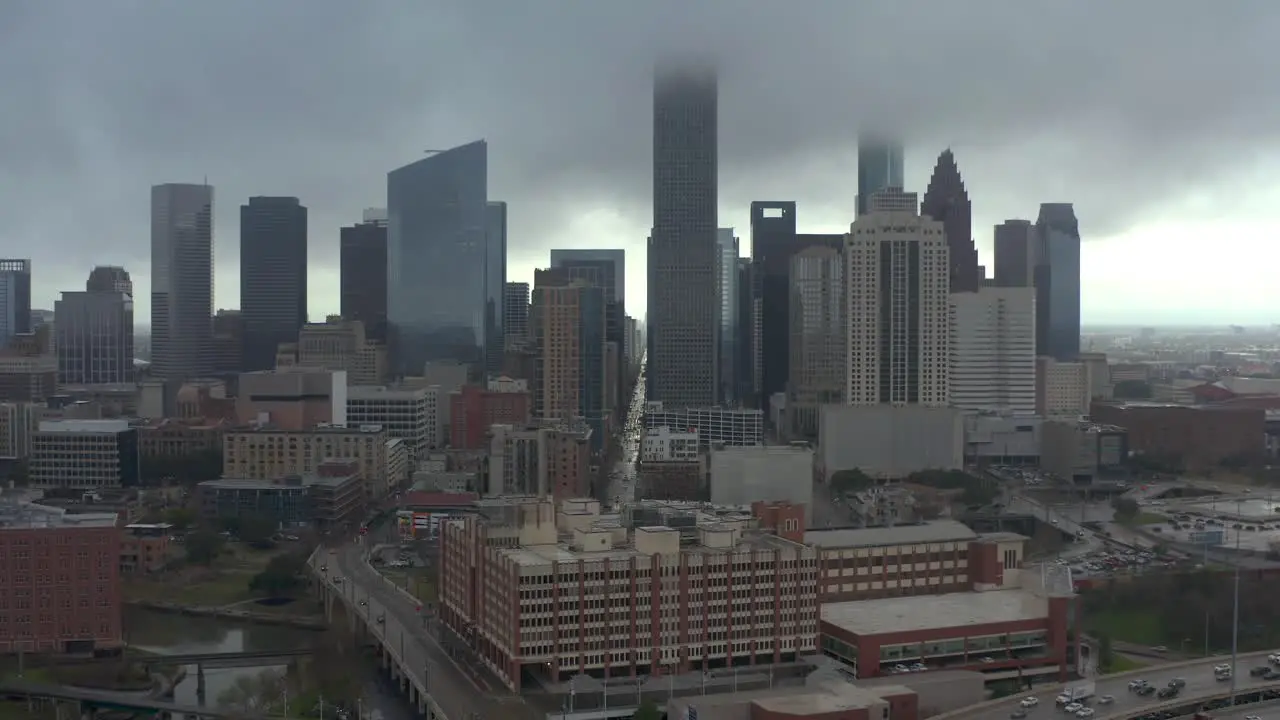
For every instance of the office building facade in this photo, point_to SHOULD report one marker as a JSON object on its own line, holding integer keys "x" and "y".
{"x": 1057, "y": 281}
{"x": 495, "y": 280}
{"x": 1015, "y": 250}
{"x": 273, "y": 277}
{"x": 993, "y": 350}
{"x": 437, "y": 250}
{"x": 93, "y": 337}
{"x": 568, "y": 325}
{"x": 682, "y": 314}
{"x": 85, "y": 455}
{"x": 363, "y": 276}
{"x": 109, "y": 278}
{"x": 897, "y": 277}
{"x": 817, "y": 342}
{"x": 15, "y": 299}
{"x": 947, "y": 201}
{"x": 515, "y": 302}
{"x": 181, "y": 281}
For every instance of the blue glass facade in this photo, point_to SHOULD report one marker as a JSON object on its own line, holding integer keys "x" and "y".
{"x": 495, "y": 279}
{"x": 437, "y": 257}
{"x": 1057, "y": 280}
{"x": 879, "y": 167}
{"x": 593, "y": 303}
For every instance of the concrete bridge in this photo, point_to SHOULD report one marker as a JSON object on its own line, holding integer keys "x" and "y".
{"x": 88, "y": 702}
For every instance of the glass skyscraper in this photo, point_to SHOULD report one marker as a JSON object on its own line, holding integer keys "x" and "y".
{"x": 438, "y": 221}
{"x": 1057, "y": 281}
{"x": 879, "y": 167}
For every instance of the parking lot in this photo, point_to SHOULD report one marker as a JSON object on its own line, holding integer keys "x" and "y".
{"x": 1243, "y": 521}
{"x": 1107, "y": 562}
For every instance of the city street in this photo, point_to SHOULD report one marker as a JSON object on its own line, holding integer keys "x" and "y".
{"x": 460, "y": 694}
{"x": 1199, "y": 678}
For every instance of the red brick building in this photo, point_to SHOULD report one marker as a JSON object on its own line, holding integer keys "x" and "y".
{"x": 1198, "y": 436}
{"x": 474, "y": 409}
{"x": 61, "y": 589}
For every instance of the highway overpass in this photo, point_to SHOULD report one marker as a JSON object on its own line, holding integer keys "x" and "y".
{"x": 1201, "y": 686}
{"x": 100, "y": 700}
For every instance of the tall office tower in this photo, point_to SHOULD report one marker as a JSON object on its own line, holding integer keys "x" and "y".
{"x": 568, "y": 324}
{"x": 947, "y": 201}
{"x": 273, "y": 277}
{"x": 515, "y": 312}
{"x": 817, "y": 342}
{"x": 1057, "y": 281}
{"x": 495, "y": 279}
{"x": 109, "y": 278}
{"x": 181, "y": 281}
{"x": 727, "y": 291}
{"x": 15, "y": 299}
{"x": 437, "y": 246}
{"x": 773, "y": 241}
{"x": 745, "y": 363}
{"x": 93, "y": 330}
{"x": 993, "y": 350}
{"x": 606, "y": 269}
{"x": 1015, "y": 249}
{"x": 879, "y": 167}
{"x": 897, "y": 273}
{"x": 362, "y": 261}
{"x": 682, "y": 315}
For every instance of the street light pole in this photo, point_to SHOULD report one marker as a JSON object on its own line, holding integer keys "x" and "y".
{"x": 1235, "y": 615}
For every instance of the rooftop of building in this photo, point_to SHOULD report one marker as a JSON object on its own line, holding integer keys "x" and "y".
{"x": 935, "y": 612}
{"x": 811, "y": 699}
{"x": 795, "y": 448}
{"x": 26, "y": 515}
{"x": 1157, "y": 405}
{"x": 183, "y": 423}
{"x": 366, "y": 392}
{"x": 367, "y": 429}
{"x": 290, "y": 481}
{"x": 415, "y": 499}
{"x": 85, "y": 426}
{"x": 934, "y": 531}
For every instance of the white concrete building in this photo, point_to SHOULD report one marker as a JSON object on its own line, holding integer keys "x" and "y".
{"x": 85, "y": 454}
{"x": 993, "y": 350}
{"x": 887, "y": 441}
{"x": 410, "y": 414}
{"x": 714, "y": 425}
{"x": 1063, "y": 389}
{"x": 664, "y": 445}
{"x": 897, "y": 283}
{"x": 742, "y": 475}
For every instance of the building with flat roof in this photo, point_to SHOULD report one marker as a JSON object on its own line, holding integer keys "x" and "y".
{"x": 331, "y": 498}
{"x": 662, "y": 444}
{"x": 475, "y": 409}
{"x": 742, "y": 475}
{"x": 1080, "y": 452}
{"x": 269, "y": 452}
{"x": 412, "y": 414}
{"x": 1194, "y": 436}
{"x": 61, "y": 589}
{"x": 85, "y": 454}
{"x": 297, "y": 398}
{"x": 658, "y": 588}
{"x": 1022, "y": 627}
{"x": 727, "y": 426}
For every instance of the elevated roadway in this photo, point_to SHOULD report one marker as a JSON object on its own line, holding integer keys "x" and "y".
{"x": 116, "y": 701}
{"x": 1197, "y": 673}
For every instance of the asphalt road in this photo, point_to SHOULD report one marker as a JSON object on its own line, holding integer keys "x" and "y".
{"x": 460, "y": 695}
{"x": 1199, "y": 677}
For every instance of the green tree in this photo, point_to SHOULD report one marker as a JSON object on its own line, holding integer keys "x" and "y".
{"x": 257, "y": 531}
{"x": 1106, "y": 655}
{"x": 1126, "y": 508}
{"x": 255, "y": 694}
{"x": 182, "y": 519}
{"x": 847, "y": 481}
{"x": 203, "y": 547}
{"x": 648, "y": 710}
{"x": 281, "y": 577}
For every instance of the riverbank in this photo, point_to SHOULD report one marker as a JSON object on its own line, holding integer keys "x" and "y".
{"x": 302, "y": 622}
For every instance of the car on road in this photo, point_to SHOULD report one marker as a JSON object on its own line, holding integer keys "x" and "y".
{"x": 1018, "y": 714}
{"x": 1106, "y": 699}
{"x": 1030, "y": 701}
{"x": 1084, "y": 712}
{"x": 1073, "y": 708}
{"x": 1136, "y": 685}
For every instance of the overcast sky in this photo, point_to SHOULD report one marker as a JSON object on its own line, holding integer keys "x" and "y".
{"x": 1159, "y": 119}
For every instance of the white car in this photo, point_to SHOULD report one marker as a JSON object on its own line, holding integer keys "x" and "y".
{"x": 1030, "y": 701}
{"x": 1074, "y": 708}
{"x": 1252, "y": 717}
{"x": 1106, "y": 700}
{"x": 1084, "y": 713}
{"x": 1137, "y": 684}
{"x": 1224, "y": 667}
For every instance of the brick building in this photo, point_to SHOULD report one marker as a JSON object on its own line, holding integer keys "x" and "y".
{"x": 1198, "y": 436}
{"x": 474, "y": 409}
{"x": 61, "y": 589}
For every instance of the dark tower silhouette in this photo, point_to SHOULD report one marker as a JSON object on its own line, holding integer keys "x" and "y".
{"x": 947, "y": 202}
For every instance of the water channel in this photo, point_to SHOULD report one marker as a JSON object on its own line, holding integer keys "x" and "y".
{"x": 171, "y": 634}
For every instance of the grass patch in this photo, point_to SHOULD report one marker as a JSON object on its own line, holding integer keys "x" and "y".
{"x": 1123, "y": 663}
{"x": 224, "y": 582}
{"x": 1126, "y": 626}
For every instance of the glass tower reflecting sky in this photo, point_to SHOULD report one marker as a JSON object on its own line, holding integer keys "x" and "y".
{"x": 879, "y": 167}
{"x": 437, "y": 248}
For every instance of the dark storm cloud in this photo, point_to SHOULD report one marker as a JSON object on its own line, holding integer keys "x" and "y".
{"x": 1119, "y": 107}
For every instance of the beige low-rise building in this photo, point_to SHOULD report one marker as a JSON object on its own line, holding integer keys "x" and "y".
{"x": 337, "y": 344}
{"x": 268, "y": 453}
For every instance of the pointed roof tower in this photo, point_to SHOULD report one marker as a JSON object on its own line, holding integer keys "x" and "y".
{"x": 947, "y": 202}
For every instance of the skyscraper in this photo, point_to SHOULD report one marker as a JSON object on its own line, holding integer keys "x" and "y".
{"x": 437, "y": 246}
{"x": 879, "y": 167}
{"x": 897, "y": 273}
{"x": 727, "y": 298}
{"x": 1015, "y": 250}
{"x": 363, "y": 274}
{"x": 817, "y": 342}
{"x": 568, "y": 323}
{"x": 773, "y": 241}
{"x": 947, "y": 201}
{"x": 273, "y": 277}
{"x": 682, "y": 313}
{"x": 93, "y": 330}
{"x": 606, "y": 269}
{"x": 181, "y": 281}
{"x": 15, "y": 299}
{"x": 495, "y": 278}
{"x": 993, "y": 350}
{"x": 1057, "y": 281}
{"x": 515, "y": 314}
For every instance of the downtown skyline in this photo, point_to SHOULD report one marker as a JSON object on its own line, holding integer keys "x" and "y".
{"x": 1106, "y": 148}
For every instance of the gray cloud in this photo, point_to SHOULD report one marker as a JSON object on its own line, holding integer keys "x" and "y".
{"x": 1121, "y": 108}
